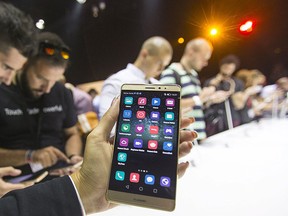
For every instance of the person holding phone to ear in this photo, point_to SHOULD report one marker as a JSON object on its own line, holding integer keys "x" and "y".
{"x": 85, "y": 190}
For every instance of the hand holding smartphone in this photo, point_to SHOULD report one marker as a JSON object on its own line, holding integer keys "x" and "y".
{"x": 28, "y": 179}
{"x": 145, "y": 157}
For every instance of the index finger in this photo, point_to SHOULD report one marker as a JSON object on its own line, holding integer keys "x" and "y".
{"x": 60, "y": 155}
{"x": 185, "y": 122}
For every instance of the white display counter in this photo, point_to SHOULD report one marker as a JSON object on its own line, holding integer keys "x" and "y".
{"x": 243, "y": 171}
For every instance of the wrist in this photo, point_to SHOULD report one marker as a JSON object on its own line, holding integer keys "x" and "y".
{"x": 71, "y": 156}
{"x": 29, "y": 156}
{"x": 84, "y": 187}
{"x": 197, "y": 100}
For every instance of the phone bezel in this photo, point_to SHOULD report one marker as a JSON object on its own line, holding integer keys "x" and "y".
{"x": 145, "y": 200}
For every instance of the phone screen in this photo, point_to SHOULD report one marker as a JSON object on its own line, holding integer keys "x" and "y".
{"x": 146, "y": 146}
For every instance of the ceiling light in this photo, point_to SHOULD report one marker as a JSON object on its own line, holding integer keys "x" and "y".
{"x": 81, "y": 1}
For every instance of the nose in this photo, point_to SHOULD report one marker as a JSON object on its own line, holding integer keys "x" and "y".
{"x": 47, "y": 87}
{"x": 8, "y": 78}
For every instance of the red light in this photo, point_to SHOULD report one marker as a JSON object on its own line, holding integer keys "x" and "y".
{"x": 246, "y": 27}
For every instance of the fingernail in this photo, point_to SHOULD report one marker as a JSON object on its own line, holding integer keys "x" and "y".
{"x": 195, "y": 134}
{"x": 115, "y": 99}
{"x": 192, "y": 119}
{"x": 190, "y": 144}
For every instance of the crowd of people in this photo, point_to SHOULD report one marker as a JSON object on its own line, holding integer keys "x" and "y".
{"x": 230, "y": 98}
{"x": 39, "y": 112}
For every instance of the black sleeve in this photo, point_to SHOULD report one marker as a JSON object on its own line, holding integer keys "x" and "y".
{"x": 55, "y": 197}
{"x": 70, "y": 110}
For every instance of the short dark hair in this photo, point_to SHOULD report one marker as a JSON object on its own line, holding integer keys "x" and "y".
{"x": 230, "y": 59}
{"x": 50, "y": 39}
{"x": 17, "y": 30}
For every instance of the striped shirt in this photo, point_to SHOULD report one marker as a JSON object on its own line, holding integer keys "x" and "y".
{"x": 190, "y": 83}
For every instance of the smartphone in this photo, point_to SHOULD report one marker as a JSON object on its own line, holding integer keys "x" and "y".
{"x": 145, "y": 155}
{"x": 29, "y": 178}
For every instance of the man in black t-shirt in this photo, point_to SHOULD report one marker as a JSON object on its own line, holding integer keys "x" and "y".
{"x": 17, "y": 42}
{"x": 37, "y": 115}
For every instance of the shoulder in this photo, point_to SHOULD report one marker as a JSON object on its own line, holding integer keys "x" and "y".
{"x": 171, "y": 74}
{"x": 172, "y": 69}
{"x": 60, "y": 88}
{"x": 116, "y": 77}
{"x": 9, "y": 92}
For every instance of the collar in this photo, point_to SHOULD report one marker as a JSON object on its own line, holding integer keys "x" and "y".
{"x": 136, "y": 71}
{"x": 179, "y": 66}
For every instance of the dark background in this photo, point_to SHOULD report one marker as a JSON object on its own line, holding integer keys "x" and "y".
{"x": 105, "y": 44}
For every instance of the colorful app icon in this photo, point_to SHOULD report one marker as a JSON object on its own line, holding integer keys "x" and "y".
{"x": 152, "y": 144}
{"x": 120, "y": 175}
{"x": 138, "y": 143}
{"x": 125, "y": 127}
{"x": 124, "y": 142}
{"x": 142, "y": 101}
{"x": 168, "y": 146}
{"x": 154, "y": 115}
{"x": 153, "y": 129}
{"x": 128, "y": 100}
{"x": 170, "y": 102}
{"x": 156, "y": 101}
{"x": 140, "y": 114}
{"x": 127, "y": 113}
{"x": 122, "y": 157}
{"x": 139, "y": 128}
{"x": 165, "y": 181}
{"x": 168, "y": 130}
{"x": 149, "y": 179}
{"x": 134, "y": 177}
{"x": 169, "y": 116}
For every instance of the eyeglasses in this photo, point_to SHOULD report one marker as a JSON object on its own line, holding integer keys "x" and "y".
{"x": 51, "y": 50}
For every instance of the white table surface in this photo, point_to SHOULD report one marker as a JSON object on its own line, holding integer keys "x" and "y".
{"x": 243, "y": 171}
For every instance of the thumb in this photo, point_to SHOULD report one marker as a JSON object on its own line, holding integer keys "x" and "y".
{"x": 9, "y": 171}
{"x": 108, "y": 120}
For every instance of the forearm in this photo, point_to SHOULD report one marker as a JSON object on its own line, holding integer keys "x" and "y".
{"x": 239, "y": 99}
{"x": 12, "y": 157}
{"x": 74, "y": 145}
{"x": 187, "y": 102}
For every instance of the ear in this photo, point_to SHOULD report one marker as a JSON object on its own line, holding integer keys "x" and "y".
{"x": 144, "y": 53}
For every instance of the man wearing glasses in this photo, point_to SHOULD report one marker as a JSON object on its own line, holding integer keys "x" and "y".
{"x": 38, "y": 117}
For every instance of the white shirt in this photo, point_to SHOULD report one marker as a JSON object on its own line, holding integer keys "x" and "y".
{"x": 112, "y": 85}
{"x": 268, "y": 90}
